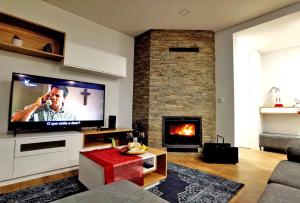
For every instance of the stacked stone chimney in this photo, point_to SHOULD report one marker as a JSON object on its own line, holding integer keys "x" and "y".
{"x": 174, "y": 83}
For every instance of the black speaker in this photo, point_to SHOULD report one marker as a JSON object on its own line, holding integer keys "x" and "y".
{"x": 112, "y": 122}
{"x": 220, "y": 152}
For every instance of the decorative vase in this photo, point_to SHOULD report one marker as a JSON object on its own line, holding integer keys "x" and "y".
{"x": 17, "y": 41}
{"x": 48, "y": 48}
{"x": 276, "y": 97}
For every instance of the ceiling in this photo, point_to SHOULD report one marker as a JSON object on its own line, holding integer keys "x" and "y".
{"x": 134, "y": 17}
{"x": 281, "y": 33}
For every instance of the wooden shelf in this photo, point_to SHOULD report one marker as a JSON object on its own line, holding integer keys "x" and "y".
{"x": 157, "y": 151}
{"x": 96, "y": 132}
{"x": 34, "y": 37}
{"x": 152, "y": 177}
{"x": 93, "y": 138}
{"x": 148, "y": 170}
{"x": 30, "y": 52}
{"x": 279, "y": 110}
{"x": 97, "y": 143}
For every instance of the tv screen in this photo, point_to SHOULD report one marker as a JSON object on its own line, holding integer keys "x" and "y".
{"x": 54, "y": 104}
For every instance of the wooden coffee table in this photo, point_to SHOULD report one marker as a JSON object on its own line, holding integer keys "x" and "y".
{"x": 92, "y": 175}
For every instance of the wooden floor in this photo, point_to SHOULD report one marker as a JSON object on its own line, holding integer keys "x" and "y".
{"x": 254, "y": 169}
{"x": 38, "y": 181}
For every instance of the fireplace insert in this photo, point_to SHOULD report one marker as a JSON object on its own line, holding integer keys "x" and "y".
{"x": 182, "y": 132}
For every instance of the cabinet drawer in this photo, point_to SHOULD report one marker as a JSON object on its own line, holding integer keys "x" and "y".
{"x": 6, "y": 158}
{"x": 33, "y": 146}
{"x": 40, "y": 163}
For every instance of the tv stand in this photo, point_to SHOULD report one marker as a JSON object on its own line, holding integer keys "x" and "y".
{"x": 30, "y": 154}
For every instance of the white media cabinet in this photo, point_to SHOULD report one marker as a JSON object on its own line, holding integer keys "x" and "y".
{"x": 36, "y": 153}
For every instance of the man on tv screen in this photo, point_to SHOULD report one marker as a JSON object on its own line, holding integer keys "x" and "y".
{"x": 49, "y": 107}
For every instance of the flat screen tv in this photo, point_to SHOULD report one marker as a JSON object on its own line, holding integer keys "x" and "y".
{"x": 45, "y": 104}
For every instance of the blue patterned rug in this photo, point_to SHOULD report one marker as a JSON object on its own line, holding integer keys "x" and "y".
{"x": 188, "y": 185}
{"x": 182, "y": 185}
{"x": 45, "y": 193}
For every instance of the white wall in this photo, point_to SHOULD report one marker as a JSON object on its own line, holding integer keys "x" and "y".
{"x": 256, "y": 97}
{"x": 281, "y": 69}
{"x": 248, "y": 93}
{"x": 118, "y": 98}
{"x": 224, "y": 70}
{"x": 242, "y": 93}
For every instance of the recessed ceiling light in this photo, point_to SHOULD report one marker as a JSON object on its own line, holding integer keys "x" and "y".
{"x": 184, "y": 12}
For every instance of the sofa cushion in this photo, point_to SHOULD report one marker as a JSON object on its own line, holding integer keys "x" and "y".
{"x": 276, "y": 193}
{"x": 293, "y": 151}
{"x": 286, "y": 173}
{"x": 120, "y": 192}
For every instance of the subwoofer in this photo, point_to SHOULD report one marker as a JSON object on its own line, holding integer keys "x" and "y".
{"x": 220, "y": 153}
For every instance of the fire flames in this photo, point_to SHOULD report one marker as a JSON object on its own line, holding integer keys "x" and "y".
{"x": 183, "y": 130}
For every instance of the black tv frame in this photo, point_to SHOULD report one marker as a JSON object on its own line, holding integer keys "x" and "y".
{"x": 41, "y": 126}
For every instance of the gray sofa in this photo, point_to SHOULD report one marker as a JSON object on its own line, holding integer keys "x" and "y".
{"x": 284, "y": 183}
{"x": 118, "y": 192}
{"x": 276, "y": 141}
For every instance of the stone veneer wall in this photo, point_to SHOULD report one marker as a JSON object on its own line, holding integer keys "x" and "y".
{"x": 174, "y": 83}
{"x": 141, "y": 80}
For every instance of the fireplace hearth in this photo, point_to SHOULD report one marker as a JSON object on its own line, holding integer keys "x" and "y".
{"x": 179, "y": 133}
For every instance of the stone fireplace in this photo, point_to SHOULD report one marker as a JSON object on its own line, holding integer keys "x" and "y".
{"x": 180, "y": 82}
{"x": 181, "y": 132}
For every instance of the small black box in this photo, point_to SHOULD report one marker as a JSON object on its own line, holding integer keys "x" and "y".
{"x": 220, "y": 153}
{"x": 112, "y": 122}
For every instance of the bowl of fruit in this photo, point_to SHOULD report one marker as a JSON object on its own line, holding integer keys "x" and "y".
{"x": 134, "y": 148}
